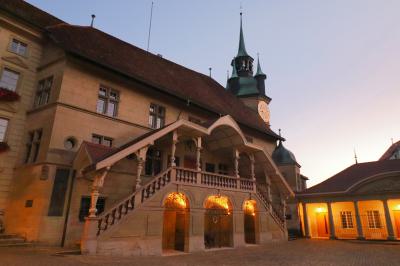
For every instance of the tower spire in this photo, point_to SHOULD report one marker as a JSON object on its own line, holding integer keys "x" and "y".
{"x": 242, "y": 48}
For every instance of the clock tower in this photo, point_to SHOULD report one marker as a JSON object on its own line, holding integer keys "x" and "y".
{"x": 249, "y": 87}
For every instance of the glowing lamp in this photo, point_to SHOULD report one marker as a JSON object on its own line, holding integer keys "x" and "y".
{"x": 320, "y": 209}
{"x": 397, "y": 207}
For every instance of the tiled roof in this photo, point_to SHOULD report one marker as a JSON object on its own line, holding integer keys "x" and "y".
{"x": 156, "y": 72}
{"x": 390, "y": 151}
{"x": 352, "y": 175}
{"x": 29, "y": 13}
{"x": 96, "y": 151}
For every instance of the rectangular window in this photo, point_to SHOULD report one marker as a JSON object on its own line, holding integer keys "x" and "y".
{"x": 107, "y": 102}
{"x": 156, "y": 116}
{"x": 9, "y": 79}
{"x": 18, "y": 47}
{"x": 374, "y": 219}
{"x": 153, "y": 164}
{"x": 43, "y": 91}
{"x": 223, "y": 169}
{"x": 210, "y": 167}
{"x": 347, "y": 219}
{"x": 33, "y": 145}
{"x": 3, "y": 128}
{"x": 98, "y": 139}
{"x": 59, "y": 191}
{"x": 85, "y": 206}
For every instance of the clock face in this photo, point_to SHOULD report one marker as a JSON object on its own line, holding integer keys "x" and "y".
{"x": 263, "y": 111}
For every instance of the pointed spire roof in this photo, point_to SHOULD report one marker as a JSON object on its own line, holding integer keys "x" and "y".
{"x": 242, "y": 48}
{"x": 259, "y": 71}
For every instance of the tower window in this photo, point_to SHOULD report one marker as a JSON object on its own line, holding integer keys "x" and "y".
{"x": 98, "y": 139}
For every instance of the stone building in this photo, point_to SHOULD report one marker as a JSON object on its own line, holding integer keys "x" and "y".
{"x": 120, "y": 151}
{"x": 360, "y": 202}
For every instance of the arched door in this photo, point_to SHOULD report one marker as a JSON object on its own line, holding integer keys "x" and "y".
{"x": 176, "y": 221}
{"x": 218, "y": 223}
{"x": 250, "y": 221}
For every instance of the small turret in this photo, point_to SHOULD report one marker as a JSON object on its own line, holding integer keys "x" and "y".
{"x": 260, "y": 77}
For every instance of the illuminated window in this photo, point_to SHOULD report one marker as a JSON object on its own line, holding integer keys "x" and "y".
{"x": 43, "y": 91}
{"x": 107, "y": 103}
{"x": 9, "y": 79}
{"x": 347, "y": 219}
{"x": 156, "y": 116}
{"x": 176, "y": 200}
{"x": 18, "y": 47}
{"x": 374, "y": 219}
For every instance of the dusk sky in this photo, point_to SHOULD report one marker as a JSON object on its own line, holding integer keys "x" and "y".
{"x": 332, "y": 66}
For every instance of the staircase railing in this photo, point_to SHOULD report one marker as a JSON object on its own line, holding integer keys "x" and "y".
{"x": 128, "y": 204}
{"x": 279, "y": 219}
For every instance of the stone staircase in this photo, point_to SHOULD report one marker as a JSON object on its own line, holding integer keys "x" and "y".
{"x": 11, "y": 240}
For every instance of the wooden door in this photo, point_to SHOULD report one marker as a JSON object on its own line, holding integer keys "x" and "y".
{"x": 180, "y": 231}
{"x": 249, "y": 229}
{"x": 322, "y": 224}
{"x": 397, "y": 222}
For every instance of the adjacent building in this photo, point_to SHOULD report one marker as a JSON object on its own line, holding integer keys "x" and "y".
{"x": 120, "y": 151}
{"x": 360, "y": 202}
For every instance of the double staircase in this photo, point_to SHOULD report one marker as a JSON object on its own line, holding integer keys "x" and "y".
{"x": 182, "y": 176}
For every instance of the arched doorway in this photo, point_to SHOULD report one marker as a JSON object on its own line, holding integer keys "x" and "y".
{"x": 176, "y": 221}
{"x": 250, "y": 221}
{"x": 218, "y": 222}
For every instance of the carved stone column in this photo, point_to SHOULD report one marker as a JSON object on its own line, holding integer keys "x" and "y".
{"x": 331, "y": 222}
{"x": 198, "y": 153}
{"x": 252, "y": 168}
{"x": 141, "y": 159}
{"x": 173, "y": 148}
{"x": 89, "y": 235}
{"x": 389, "y": 223}
{"x": 236, "y": 162}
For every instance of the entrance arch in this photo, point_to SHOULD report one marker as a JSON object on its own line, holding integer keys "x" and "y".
{"x": 218, "y": 222}
{"x": 176, "y": 222}
{"x": 250, "y": 221}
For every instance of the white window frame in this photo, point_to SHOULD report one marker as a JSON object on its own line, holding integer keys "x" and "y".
{"x": 374, "y": 219}
{"x": 346, "y": 219}
{"x": 8, "y": 69}
{"x": 7, "y": 122}
{"x": 19, "y": 44}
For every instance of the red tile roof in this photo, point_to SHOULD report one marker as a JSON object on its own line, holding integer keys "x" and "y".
{"x": 156, "y": 72}
{"x": 352, "y": 175}
{"x": 29, "y": 13}
{"x": 96, "y": 151}
{"x": 390, "y": 151}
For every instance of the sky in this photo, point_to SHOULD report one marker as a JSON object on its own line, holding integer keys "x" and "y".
{"x": 332, "y": 66}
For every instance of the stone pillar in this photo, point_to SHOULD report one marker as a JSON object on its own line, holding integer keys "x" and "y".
{"x": 389, "y": 224}
{"x": 360, "y": 234}
{"x": 252, "y": 171}
{"x": 332, "y": 234}
{"x": 141, "y": 159}
{"x": 305, "y": 219}
{"x": 236, "y": 157}
{"x": 89, "y": 234}
{"x": 173, "y": 148}
{"x": 198, "y": 153}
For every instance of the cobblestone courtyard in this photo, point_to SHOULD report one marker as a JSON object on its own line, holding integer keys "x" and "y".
{"x": 299, "y": 252}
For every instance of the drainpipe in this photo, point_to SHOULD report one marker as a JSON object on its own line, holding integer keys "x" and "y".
{"x": 68, "y": 208}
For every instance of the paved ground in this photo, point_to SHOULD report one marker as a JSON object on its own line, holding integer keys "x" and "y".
{"x": 298, "y": 252}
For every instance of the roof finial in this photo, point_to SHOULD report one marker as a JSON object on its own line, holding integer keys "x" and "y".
{"x": 392, "y": 140}
{"x": 93, "y": 17}
{"x": 259, "y": 71}
{"x": 279, "y": 132}
{"x": 227, "y": 74}
{"x": 242, "y": 49}
{"x": 210, "y": 68}
{"x": 355, "y": 156}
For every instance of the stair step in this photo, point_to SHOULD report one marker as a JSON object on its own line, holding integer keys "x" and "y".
{"x": 12, "y": 240}
{"x": 6, "y": 236}
{"x": 22, "y": 244}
